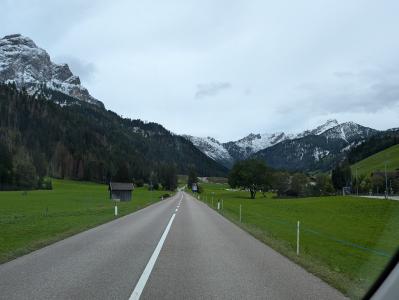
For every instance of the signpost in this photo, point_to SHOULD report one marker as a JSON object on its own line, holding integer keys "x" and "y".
{"x": 116, "y": 207}
{"x": 297, "y": 238}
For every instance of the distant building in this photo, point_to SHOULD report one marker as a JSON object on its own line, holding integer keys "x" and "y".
{"x": 120, "y": 191}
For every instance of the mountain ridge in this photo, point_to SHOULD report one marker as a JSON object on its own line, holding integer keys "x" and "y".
{"x": 343, "y": 135}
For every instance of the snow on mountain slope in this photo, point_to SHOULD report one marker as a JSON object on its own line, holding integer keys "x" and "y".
{"x": 28, "y": 66}
{"x": 319, "y": 129}
{"x": 253, "y": 143}
{"x": 346, "y": 134}
{"x": 257, "y": 142}
{"x": 212, "y": 148}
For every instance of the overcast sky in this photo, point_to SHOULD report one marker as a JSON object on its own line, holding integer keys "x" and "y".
{"x": 225, "y": 68}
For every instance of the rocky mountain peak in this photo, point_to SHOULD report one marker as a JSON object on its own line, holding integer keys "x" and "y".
{"x": 17, "y": 39}
{"x": 29, "y": 66}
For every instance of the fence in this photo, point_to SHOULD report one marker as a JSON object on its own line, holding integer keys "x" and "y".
{"x": 298, "y": 230}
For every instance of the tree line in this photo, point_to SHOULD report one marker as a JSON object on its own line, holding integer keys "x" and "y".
{"x": 255, "y": 176}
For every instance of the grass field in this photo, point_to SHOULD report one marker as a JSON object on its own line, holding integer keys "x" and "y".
{"x": 346, "y": 241}
{"x": 376, "y": 162}
{"x": 31, "y": 221}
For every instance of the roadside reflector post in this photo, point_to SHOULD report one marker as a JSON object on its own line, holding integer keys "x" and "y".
{"x": 219, "y": 204}
{"x": 297, "y": 238}
{"x": 116, "y": 210}
{"x": 240, "y": 213}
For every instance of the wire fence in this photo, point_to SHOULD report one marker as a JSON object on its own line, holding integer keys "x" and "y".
{"x": 238, "y": 212}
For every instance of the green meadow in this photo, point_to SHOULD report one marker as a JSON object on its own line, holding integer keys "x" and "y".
{"x": 34, "y": 219}
{"x": 346, "y": 241}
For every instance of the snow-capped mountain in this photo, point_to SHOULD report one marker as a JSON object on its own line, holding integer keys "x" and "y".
{"x": 349, "y": 132}
{"x": 252, "y": 143}
{"x": 310, "y": 147}
{"x": 316, "y": 151}
{"x": 25, "y": 64}
{"x": 212, "y": 148}
{"x": 319, "y": 129}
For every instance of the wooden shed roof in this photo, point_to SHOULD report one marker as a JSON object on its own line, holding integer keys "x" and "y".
{"x": 121, "y": 186}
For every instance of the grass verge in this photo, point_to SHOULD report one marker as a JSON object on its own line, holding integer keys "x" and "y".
{"x": 38, "y": 218}
{"x": 346, "y": 241}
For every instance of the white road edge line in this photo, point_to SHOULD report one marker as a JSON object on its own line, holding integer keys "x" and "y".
{"x": 150, "y": 265}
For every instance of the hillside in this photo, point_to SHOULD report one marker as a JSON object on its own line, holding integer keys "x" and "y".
{"x": 80, "y": 140}
{"x": 379, "y": 142}
{"x": 316, "y": 151}
{"x": 376, "y": 162}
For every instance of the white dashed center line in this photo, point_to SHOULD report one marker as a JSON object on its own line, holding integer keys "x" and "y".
{"x": 150, "y": 265}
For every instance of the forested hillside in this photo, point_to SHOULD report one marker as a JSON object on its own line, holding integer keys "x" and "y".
{"x": 79, "y": 140}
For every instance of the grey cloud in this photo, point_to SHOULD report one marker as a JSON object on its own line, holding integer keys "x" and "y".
{"x": 363, "y": 91}
{"x": 211, "y": 89}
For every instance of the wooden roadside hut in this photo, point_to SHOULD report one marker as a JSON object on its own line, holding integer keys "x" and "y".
{"x": 120, "y": 191}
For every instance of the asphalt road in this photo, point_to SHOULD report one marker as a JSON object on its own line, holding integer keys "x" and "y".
{"x": 176, "y": 249}
{"x": 381, "y": 197}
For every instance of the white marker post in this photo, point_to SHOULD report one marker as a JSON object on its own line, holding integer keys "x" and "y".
{"x": 116, "y": 210}
{"x": 240, "y": 213}
{"x": 297, "y": 239}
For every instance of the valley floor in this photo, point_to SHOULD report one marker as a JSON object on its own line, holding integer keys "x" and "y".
{"x": 175, "y": 249}
{"x": 346, "y": 241}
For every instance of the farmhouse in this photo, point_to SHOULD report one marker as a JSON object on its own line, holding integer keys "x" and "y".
{"x": 120, "y": 191}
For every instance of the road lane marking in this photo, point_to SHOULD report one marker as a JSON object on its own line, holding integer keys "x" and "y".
{"x": 150, "y": 265}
